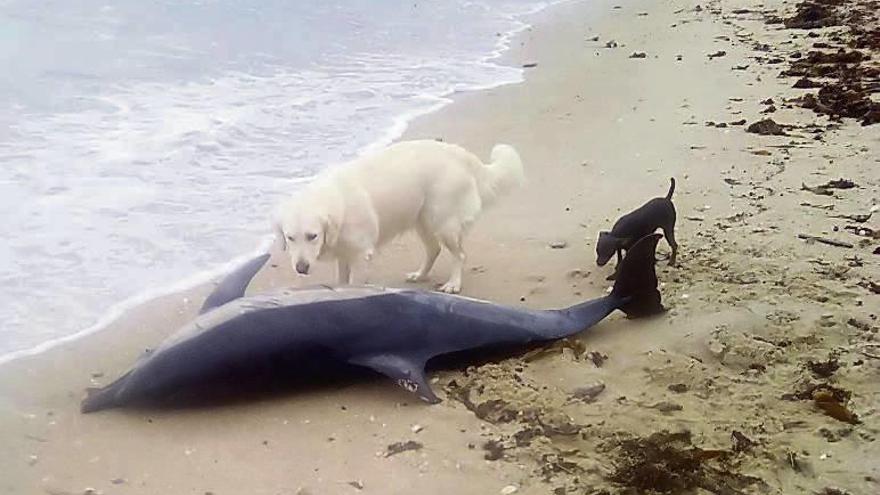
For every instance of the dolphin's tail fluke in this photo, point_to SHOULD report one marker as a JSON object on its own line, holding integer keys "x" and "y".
{"x": 103, "y": 397}
{"x": 636, "y": 281}
{"x": 234, "y": 285}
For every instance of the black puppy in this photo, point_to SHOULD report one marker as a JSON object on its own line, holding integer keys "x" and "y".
{"x": 656, "y": 213}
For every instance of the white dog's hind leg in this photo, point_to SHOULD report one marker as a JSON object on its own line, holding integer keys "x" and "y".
{"x": 452, "y": 240}
{"x": 432, "y": 250}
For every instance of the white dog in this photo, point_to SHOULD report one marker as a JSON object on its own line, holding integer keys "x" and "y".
{"x": 436, "y": 188}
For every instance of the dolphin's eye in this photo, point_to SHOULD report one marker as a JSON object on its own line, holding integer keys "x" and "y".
{"x": 311, "y": 237}
{"x": 290, "y": 238}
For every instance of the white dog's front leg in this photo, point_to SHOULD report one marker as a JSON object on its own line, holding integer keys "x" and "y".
{"x": 343, "y": 272}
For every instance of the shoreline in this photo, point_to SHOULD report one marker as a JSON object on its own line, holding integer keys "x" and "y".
{"x": 393, "y": 132}
{"x": 762, "y": 325}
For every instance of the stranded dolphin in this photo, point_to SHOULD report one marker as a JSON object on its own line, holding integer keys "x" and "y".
{"x": 393, "y": 332}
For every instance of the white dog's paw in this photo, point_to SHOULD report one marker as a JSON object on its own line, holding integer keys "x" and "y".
{"x": 368, "y": 256}
{"x": 450, "y": 288}
{"x": 415, "y": 277}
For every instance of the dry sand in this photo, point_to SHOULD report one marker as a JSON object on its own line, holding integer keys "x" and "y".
{"x": 717, "y": 396}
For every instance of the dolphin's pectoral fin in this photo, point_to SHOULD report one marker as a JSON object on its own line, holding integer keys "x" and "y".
{"x": 406, "y": 372}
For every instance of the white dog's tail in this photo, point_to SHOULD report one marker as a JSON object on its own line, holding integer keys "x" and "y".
{"x": 503, "y": 174}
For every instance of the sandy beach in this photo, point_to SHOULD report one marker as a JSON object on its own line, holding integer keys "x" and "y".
{"x": 764, "y": 376}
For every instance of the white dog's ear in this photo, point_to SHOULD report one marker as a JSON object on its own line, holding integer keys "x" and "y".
{"x": 331, "y": 227}
{"x": 280, "y": 240}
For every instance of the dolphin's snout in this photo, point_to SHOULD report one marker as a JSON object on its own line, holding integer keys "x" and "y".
{"x": 302, "y": 267}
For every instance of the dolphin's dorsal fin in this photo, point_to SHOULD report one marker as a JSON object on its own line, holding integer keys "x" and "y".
{"x": 409, "y": 373}
{"x": 235, "y": 284}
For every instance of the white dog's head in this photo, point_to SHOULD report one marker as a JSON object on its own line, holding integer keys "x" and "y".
{"x": 305, "y": 232}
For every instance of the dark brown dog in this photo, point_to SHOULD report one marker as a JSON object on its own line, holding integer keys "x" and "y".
{"x": 656, "y": 213}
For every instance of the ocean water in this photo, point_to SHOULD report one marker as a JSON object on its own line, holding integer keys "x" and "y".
{"x": 144, "y": 144}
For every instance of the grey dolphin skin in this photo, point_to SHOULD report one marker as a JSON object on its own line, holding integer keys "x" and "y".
{"x": 307, "y": 332}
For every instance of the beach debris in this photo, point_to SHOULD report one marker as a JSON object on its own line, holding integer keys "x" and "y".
{"x": 589, "y": 393}
{"x": 844, "y": 101}
{"x": 871, "y": 286}
{"x": 638, "y": 55}
{"x": 594, "y": 38}
{"x": 611, "y": 44}
{"x": 739, "y": 122}
{"x": 766, "y": 127}
{"x": 416, "y": 428}
{"x": 823, "y": 369}
{"x": 870, "y": 354}
{"x": 847, "y": 82}
{"x": 670, "y": 463}
{"x": 796, "y": 464}
{"x": 494, "y": 450}
{"x": 832, "y": 491}
{"x": 357, "y": 484}
{"x": 741, "y": 443}
{"x": 740, "y": 67}
{"x": 666, "y": 406}
{"x": 719, "y": 53}
{"x": 827, "y": 188}
{"x": 806, "y": 83}
{"x": 856, "y": 217}
{"x": 862, "y": 231}
{"x": 830, "y": 399}
{"x": 678, "y": 388}
{"x": 597, "y": 358}
{"x": 831, "y": 406}
{"x": 553, "y": 464}
{"x": 812, "y": 15}
{"x": 509, "y": 490}
{"x": 529, "y": 65}
{"x": 828, "y": 206}
{"x": 825, "y": 240}
{"x": 558, "y": 245}
{"x": 399, "y": 447}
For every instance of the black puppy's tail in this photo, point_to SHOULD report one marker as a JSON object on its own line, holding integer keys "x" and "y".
{"x": 636, "y": 282}
{"x": 671, "y": 188}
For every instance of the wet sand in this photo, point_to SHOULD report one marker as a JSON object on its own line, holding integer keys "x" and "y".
{"x": 762, "y": 378}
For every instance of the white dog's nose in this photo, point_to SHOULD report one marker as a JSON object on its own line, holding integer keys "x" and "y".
{"x": 302, "y": 267}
